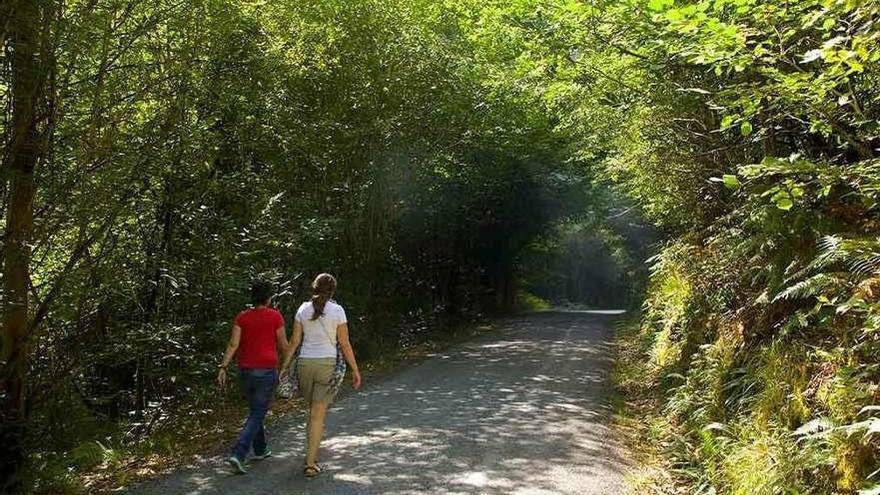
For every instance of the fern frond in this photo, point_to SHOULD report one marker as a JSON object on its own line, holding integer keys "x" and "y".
{"x": 810, "y": 287}
{"x": 860, "y": 255}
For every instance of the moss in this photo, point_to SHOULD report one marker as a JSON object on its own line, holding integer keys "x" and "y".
{"x": 852, "y": 463}
{"x": 764, "y": 463}
{"x": 845, "y": 394}
{"x": 665, "y": 352}
{"x": 526, "y": 301}
{"x": 701, "y": 400}
{"x": 783, "y": 376}
{"x": 668, "y": 306}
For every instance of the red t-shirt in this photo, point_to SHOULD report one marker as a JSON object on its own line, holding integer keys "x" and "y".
{"x": 258, "y": 348}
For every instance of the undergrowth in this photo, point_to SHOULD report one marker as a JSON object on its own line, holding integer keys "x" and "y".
{"x": 763, "y": 379}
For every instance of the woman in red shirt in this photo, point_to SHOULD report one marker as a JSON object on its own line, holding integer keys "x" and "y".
{"x": 257, "y": 335}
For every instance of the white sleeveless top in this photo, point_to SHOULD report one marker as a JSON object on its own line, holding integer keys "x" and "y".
{"x": 319, "y": 336}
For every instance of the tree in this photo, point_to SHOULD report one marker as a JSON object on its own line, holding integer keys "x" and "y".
{"x": 29, "y": 52}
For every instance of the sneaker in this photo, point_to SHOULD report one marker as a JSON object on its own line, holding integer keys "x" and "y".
{"x": 267, "y": 453}
{"x": 237, "y": 465}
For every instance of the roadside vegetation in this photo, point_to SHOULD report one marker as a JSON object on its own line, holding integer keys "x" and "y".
{"x": 714, "y": 162}
{"x": 754, "y": 151}
{"x": 159, "y": 155}
{"x": 747, "y": 133}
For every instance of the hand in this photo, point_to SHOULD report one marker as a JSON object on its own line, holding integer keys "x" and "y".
{"x": 283, "y": 374}
{"x": 221, "y": 378}
{"x": 356, "y": 379}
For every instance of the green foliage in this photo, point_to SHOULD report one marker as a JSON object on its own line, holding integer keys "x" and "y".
{"x": 747, "y": 131}
{"x": 793, "y": 343}
{"x": 194, "y": 146}
{"x": 447, "y": 157}
{"x": 89, "y": 455}
{"x": 526, "y": 301}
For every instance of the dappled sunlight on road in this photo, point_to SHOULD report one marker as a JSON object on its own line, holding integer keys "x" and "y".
{"x": 515, "y": 412}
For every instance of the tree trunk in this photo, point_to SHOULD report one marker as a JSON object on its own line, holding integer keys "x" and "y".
{"x": 28, "y": 80}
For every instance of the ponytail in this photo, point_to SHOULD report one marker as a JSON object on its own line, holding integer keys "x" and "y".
{"x": 318, "y": 303}
{"x": 322, "y": 289}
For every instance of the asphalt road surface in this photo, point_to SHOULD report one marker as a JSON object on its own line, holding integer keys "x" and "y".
{"x": 517, "y": 411}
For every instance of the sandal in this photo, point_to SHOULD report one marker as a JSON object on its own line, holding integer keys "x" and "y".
{"x": 311, "y": 471}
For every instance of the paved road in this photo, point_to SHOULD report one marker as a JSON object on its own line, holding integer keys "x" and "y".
{"x": 519, "y": 411}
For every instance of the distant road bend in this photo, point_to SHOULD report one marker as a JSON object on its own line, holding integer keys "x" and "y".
{"x": 519, "y": 411}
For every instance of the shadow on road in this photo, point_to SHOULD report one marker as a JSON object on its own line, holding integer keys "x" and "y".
{"x": 520, "y": 411}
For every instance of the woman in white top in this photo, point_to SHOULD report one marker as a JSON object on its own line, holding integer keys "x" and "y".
{"x": 319, "y": 325}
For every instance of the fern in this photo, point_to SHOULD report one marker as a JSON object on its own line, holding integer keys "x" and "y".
{"x": 871, "y": 490}
{"x": 860, "y": 255}
{"x": 89, "y": 454}
{"x": 810, "y": 287}
{"x": 853, "y": 257}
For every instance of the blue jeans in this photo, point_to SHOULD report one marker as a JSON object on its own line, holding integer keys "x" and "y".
{"x": 258, "y": 385}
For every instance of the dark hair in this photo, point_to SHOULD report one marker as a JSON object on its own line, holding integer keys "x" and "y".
{"x": 261, "y": 292}
{"x": 323, "y": 288}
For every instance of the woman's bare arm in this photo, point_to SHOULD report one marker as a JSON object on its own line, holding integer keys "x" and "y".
{"x": 348, "y": 353}
{"x": 295, "y": 341}
{"x": 231, "y": 347}
{"x": 281, "y": 339}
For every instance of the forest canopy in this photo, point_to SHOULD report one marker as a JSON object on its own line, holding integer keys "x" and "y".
{"x": 159, "y": 156}
{"x": 445, "y": 159}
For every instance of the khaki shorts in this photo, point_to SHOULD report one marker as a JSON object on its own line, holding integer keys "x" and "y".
{"x": 315, "y": 375}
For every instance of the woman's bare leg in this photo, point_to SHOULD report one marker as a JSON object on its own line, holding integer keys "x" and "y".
{"x": 315, "y": 431}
